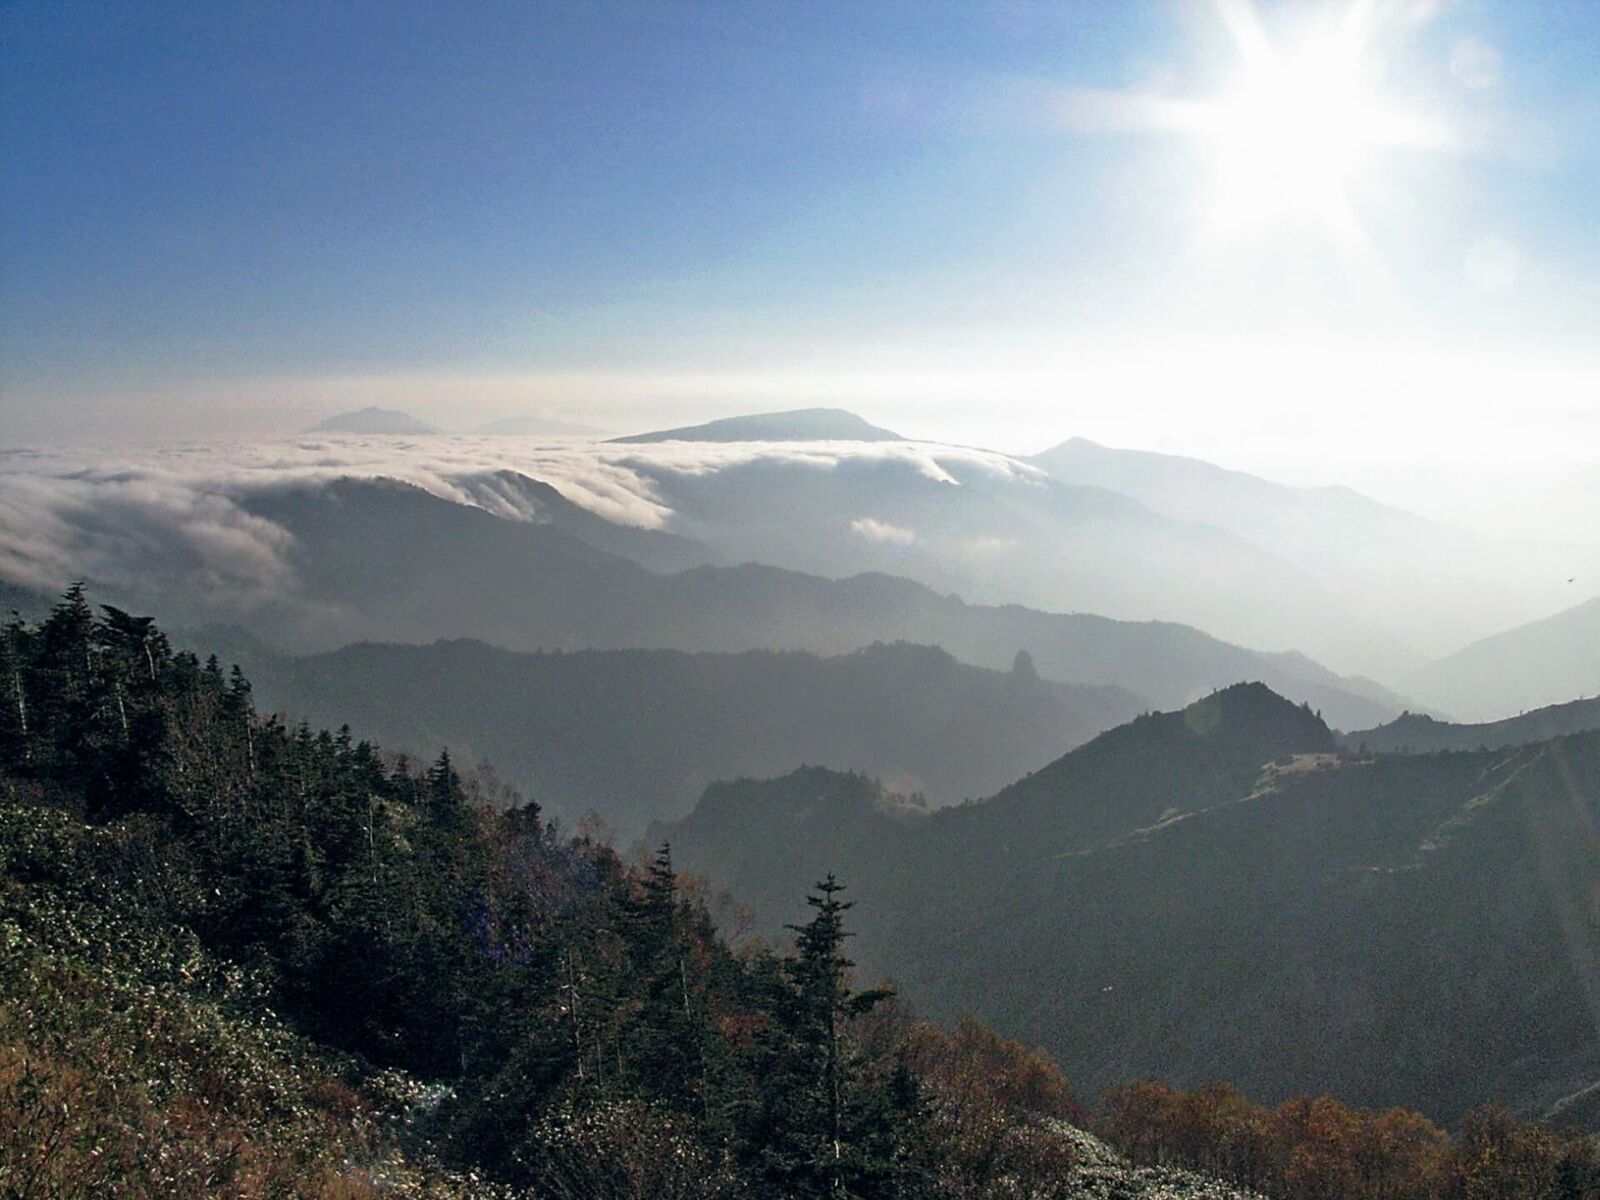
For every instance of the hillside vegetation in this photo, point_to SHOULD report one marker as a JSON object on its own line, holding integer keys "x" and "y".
{"x": 251, "y": 960}
{"x": 255, "y": 960}
{"x": 1216, "y": 893}
{"x": 637, "y": 735}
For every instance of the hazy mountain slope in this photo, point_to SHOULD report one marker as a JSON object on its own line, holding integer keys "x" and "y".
{"x": 989, "y": 528}
{"x": 994, "y": 531}
{"x": 382, "y": 561}
{"x": 1415, "y": 733}
{"x": 797, "y": 425}
{"x": 636, "y": 735}
{"x": 1542, "y": 663}
{"x": 1385, "y": 564}
{"x": 373, "y": 420}
{"x": 1405, "y": 930}
{"x": 1154, "y": 768}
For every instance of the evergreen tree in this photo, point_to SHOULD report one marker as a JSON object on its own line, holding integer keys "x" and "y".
{"x": 813, "y": 1121}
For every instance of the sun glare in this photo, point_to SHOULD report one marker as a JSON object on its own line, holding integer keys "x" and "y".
{"x": 1292, "y": 134}
{"x": 1289, "y": 137}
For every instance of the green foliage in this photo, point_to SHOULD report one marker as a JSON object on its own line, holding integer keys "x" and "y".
{"x": 243, "y": 959}
{"x": 263, "y": 960}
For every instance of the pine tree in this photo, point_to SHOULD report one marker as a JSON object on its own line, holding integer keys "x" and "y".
{"x": 809, "y": 1120}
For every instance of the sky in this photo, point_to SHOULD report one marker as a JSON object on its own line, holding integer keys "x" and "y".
{"x": 1167, "y": 224}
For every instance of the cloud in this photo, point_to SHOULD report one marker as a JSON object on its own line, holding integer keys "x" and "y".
{"x": 123, "y": 518}
{"x": 875, "y": 530}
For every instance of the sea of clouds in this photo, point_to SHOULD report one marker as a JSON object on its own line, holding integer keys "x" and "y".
{"x": 117, "y": 515}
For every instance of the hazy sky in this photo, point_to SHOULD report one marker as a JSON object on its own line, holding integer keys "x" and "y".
{"x": 1158, "y": 223}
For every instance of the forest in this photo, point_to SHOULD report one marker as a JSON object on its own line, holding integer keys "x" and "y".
{"x": 246, "y": 958}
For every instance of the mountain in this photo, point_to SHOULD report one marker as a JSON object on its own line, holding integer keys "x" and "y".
{"x": 798, "y": 425}
{"x": 1416, "y": 733}
{"x": 1384, "y": 565}
{"x": 246, "y": 959}
{"x": 1213, "y": 893}
{"x": 636, "y": 735}
{"x": 1542, "y": 663}
{"x": 984, "y": 526}
{"x": 530, "y": 425}
{"x": 373, "y": 420}
{"x": 997, "y": 531}
{"x": 514, "y": 496}
{"x": 382, "y": 561}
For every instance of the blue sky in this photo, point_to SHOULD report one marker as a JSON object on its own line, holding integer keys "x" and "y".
{"x": 236, "y": 217}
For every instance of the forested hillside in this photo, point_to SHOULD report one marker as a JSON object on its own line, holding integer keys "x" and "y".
{"x": 1216, "y": 894}
{"x": 636, "y": 735}
{"x": 250, "y": 960}
{"x": 256, "y": 960}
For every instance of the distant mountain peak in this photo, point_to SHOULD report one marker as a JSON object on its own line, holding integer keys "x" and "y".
{"x": 796, "y": 425}
{"x": 373, "y": 420}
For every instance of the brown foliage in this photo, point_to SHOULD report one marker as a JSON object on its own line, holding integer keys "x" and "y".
{"x": 1321, "y": 1149}
{"x": 992, "y": 1104}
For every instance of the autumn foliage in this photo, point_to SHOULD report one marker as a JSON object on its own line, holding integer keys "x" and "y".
{"x": 1322, "y": 1149}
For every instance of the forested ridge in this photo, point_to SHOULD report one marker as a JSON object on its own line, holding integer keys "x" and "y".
{"x": 248, "y": 959}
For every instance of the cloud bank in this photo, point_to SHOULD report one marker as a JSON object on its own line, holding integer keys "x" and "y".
{"x": 115, "y": 516}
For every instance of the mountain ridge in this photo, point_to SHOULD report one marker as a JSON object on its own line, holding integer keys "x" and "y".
{"x": 1419, "y": 733}
{"x": 1533, "y": 665}
{"x": 358, "y": 544}
{"x": 793, "y": 425}
{"x": 1218, "y": 893}
{"x": 637, "y": 735}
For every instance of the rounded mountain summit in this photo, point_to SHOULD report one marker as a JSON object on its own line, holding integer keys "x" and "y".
{"x": 798, "y": 425}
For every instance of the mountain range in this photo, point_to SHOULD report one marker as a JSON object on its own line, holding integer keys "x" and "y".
{"x": 1379, "y": 561}
{"x": 378, "y": 560}
{"x": 1300, "y": 576}
{"x": 1418, "y": 733}
{"x": 1217, "y": 893}
{"x": 636, "y": 735}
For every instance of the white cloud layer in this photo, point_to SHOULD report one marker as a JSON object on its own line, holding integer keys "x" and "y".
{"x": 112, "y": 515}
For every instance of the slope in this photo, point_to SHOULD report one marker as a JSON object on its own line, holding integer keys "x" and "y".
{"x": 636, "y": 735}
{"x": 246, "y": 960}
{"x": 1212, "y": 895}
{"x": 797, "y": 425}
{"x": 384, "y": 561}
{"x": 1416, "y": 733}
{"x": 1387, "y": 565}
{"x": 1542, "y": 663}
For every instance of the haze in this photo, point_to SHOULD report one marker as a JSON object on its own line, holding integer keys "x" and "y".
{"x": 1001, "y": 225}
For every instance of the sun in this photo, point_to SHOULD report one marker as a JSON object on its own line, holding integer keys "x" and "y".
{"x": 1292, "y": 134}
{"x": 1289, "y": 137}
